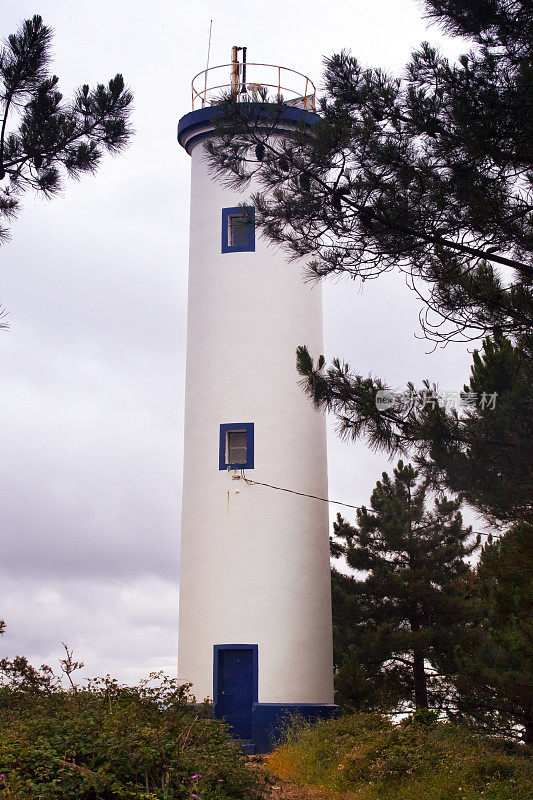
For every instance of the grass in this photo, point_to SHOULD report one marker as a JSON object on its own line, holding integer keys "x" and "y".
{"x": 365, "y": 757}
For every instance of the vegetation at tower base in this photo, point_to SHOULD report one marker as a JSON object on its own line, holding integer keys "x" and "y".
{"x": 104, "y": 740}
{"x": 429, "y": 174}
{"x": 366, "y": 757}
{"x": 413, "y": 603}
{"x": 42, "y": 137}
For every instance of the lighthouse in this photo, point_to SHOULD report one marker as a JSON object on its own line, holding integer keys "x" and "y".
{"x": 255, "y": 628}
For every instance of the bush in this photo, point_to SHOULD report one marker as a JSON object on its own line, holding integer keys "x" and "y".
{"x": 105, "y": 740}
{"x": 366, "y": 757}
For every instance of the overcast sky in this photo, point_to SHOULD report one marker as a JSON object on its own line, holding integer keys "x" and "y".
{"x": 93, "y": 364}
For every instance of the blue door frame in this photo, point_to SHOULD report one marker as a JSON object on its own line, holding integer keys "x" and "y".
{"x": 235, "y": 685}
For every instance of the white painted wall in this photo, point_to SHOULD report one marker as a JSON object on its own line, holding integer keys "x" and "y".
{"x": 254, "y": 569}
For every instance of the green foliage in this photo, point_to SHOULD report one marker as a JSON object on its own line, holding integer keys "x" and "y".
{"x": 482, "y": 455}
{"x": 358, "y": 686}
{"x": 495, "y": 678}
{"x": 412, "y": 605}
{"x": 429, "y": 174}
{"x": 364, "y": 679}
{"x": 42, "y": 138}
{"x": 365, "y": 757}
{"x": 479, "y": 453}
{"x": 106, "y": 740}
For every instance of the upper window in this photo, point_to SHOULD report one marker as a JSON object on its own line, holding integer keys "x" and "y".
{"x": 238, "y": 230}
{"x": 236, "y": 447}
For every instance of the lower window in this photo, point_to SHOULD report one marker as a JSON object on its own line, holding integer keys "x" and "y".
{"x": 236, "y": 445}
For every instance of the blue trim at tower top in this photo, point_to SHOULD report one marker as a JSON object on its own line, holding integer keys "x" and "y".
{"x": 203, "y": 117}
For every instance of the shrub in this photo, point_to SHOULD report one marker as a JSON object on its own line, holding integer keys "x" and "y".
{"x": 105, "y": 740}
{"x": 366, "y": 757}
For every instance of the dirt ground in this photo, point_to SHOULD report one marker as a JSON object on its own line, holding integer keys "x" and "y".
{"x": 286, "y": 791}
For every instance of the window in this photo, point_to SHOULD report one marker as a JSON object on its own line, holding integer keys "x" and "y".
{"x": 238, "y": 230}
{"x": 236, "y": 446}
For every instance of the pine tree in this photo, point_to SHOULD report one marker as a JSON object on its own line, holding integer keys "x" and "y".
{"x": 413, "y": 603}
{"x": 480, "y": 450}
{"x": 43, "y": 138}
{"x": 494, "y": 680}
{"x": 363, "y": 680}
{"x": 429, "y": 174}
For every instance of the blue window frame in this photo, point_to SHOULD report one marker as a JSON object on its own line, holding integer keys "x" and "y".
{"x": 238, "y": 229}
{"x": 236, "y": 447}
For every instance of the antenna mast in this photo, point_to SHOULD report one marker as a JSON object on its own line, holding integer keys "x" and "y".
{"x": 207, "y": 65}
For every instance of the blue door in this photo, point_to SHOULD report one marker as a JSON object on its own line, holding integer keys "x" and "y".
{"x": 236, "y": 686}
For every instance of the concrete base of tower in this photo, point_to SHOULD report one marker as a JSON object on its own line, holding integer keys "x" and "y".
{"x": 269, "y": 720}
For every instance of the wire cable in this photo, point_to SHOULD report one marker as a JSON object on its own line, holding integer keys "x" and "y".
{"x": 249, "y": 481}
{"x": 293, "y": 491}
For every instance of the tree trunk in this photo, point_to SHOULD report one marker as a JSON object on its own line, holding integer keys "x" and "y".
{"x": 419, "y": 675}
{"x": 528, "y": 733}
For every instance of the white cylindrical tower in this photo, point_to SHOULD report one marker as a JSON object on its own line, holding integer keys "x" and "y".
{"x": 255, "y": 629}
